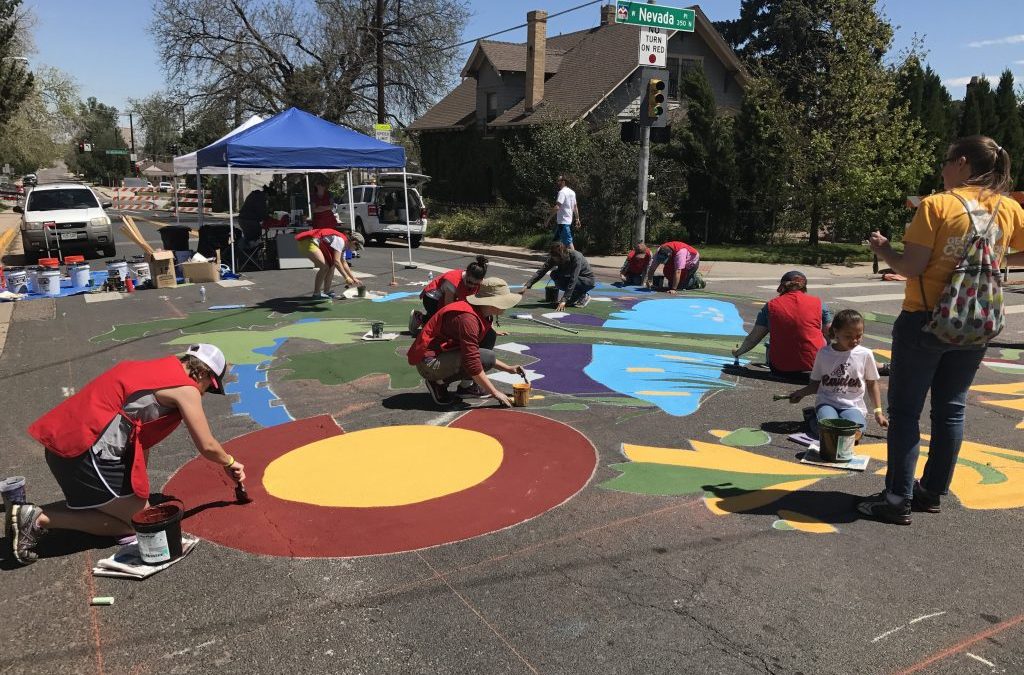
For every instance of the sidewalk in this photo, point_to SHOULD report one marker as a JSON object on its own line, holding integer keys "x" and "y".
{"x": 10, "y": 244}
{"x": 708, "y": 268}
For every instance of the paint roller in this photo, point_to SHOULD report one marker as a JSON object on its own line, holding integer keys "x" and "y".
{"x": 530, "y": 317}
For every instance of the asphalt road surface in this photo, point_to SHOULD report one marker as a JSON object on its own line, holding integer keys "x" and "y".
{"x": 665, "y": 572}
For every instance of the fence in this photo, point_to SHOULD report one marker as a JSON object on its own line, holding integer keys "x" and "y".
{"x": 187, "y": 201}
{"x": 149, "y": 199}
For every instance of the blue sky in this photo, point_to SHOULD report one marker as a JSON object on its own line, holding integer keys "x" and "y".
{"x": 105, "y": 46}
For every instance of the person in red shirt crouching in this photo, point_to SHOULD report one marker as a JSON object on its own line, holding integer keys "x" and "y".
{"x": 635, "y": 266}
{"x": 449, "y": 346}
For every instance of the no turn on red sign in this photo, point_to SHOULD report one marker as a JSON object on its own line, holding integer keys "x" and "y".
{"x": 653, "y": 46}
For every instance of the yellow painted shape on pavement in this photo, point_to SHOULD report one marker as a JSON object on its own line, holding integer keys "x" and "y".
{"x": 676, "y": 357}
{"x": 645, "y": 370}
{"x": 805, "y": 523}
{"x": 885, "y": 353}
{"x": 967, "y": 482}
{"x": 386, "y": 466}
{"x": 719, "y": 433}
{"x": 755, "y": 499}
{"x": 720, "y": 458}
{"x": 1009, "y": 389}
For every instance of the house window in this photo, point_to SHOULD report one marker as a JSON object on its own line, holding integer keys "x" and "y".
{"x": 677, "y": 67}
{"x": 492, "y": 106}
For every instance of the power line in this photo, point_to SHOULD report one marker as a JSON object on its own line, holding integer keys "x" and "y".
{"x": 522, "y": 25}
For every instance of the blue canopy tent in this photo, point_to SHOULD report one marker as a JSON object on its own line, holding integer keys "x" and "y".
{"x": 295, "y": 141}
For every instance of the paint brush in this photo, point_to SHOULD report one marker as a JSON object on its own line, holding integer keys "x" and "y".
{"x": 241, "y": 495}
{"x": 736, "y": 359}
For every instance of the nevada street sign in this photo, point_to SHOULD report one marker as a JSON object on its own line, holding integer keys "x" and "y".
{"x": 642, "y": 14}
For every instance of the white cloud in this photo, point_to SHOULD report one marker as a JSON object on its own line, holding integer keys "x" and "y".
{"x": 1008, "y": 40}
{"x": 964, "y": 81}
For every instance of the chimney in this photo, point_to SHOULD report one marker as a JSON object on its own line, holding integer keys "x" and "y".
{"x": 607, "y": 15}
{"x": 536, "y": 47}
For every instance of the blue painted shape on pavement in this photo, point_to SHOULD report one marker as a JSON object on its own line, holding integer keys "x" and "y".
{"x": 700, "y": 316}
{"x": 254, "y": 400}
{"x": 674, "y": 381}
{"x": 396, "y": 296}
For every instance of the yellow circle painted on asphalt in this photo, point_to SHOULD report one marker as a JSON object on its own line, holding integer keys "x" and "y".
{"x": 388, "y": 466}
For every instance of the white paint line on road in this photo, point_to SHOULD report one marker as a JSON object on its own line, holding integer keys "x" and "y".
{"x": 714, "y": 278}
{"x": 102, "y": 297}
{"x": 362, "y": 275}
{"x": 850, "y": 284}
{"x": 981, "y": 660}
{"x": 511, "y": 267}
{"x": 926, "y": 616}
{"x": 429, "y": 268}
{"x": 888, "y": 633}
{"x": 884, "y": 297}
{"x": 1016, "y": 309}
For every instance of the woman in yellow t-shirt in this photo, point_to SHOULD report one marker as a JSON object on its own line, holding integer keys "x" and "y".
{"x": 978, "y": 170}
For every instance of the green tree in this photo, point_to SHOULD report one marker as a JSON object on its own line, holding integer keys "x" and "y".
{"x": 160, "y": 120}
{"x": 930, "y": 104}
{"x": 705, "y": 149}
{"x": 979, "y": 111}
{"x": 35, "y": 135}
{"x": 1010, "y": 130}
{"x": 854, "y": 154}
{"x": 97, "y": 125}
{"x": 15, "y": 79}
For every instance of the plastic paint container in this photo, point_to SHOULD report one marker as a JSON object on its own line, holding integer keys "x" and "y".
{"x": 79, "y": 274}
{"x": 13, "y": 490}
{"x": 377, "y": 329}
{"x": 139, "y": 272}
{"x": 32, "y": 272}
{"x": 48, "y": 282}
{"x": 521, "y": 394}
{"x": 159, "y": 532}
{"x": 551, "y": 294}
{"x": 17, "y": 280}
{"x": 118, "y": 267}
{"x": 837, "y": 439}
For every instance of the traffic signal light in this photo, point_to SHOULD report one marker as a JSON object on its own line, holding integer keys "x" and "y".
{"x": 655, "y": 102}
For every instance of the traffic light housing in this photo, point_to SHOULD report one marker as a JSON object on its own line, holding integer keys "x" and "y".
{"x": 654, "y": 106}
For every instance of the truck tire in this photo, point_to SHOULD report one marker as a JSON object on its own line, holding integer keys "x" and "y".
{"x": 415, "y": 240}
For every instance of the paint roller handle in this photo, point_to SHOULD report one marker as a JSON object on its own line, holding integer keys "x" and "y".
{"x": 522, "y": 373}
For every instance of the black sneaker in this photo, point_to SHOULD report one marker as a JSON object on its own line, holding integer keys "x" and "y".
{"x": 439, "y": 392}
{"x": 925, "y": 500}
{"x": 23, "y": 533}
{"x": 472, "y": 390}
{"x": 884, "y": 370}
{"x": 877, "y": 506}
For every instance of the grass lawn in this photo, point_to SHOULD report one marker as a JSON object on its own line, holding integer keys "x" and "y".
{"x": 797, "y": 253}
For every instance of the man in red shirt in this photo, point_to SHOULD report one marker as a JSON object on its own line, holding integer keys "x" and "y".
{"x": 448, "y": 348}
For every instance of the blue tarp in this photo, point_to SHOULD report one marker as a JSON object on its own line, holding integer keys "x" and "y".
{"x": 296, "y": 140}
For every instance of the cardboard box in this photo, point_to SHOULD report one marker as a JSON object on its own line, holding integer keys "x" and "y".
{"x": 161, "y": 269}
{"x": 197, "y": 272}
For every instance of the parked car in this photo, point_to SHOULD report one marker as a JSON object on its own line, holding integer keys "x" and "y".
{"x": 165, "y": 186}
{"x": 380, "y": 209}
{"x": 66, "y": 213}
{"x": 30, "y": 180}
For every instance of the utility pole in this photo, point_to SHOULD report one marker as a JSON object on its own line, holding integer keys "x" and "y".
{"x": 640, "y": 231}
{"x": 131, "y": 132}
{"x": 378, "y": 27}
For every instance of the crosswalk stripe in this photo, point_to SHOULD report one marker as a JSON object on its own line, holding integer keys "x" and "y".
{"x": 851, "y": 284}
{"x": 1016, "y": 309}
{"x": 883, "y": 297}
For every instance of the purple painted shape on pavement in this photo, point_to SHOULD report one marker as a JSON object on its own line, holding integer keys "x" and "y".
{"x": 562, "y": 366}
{"x": 582, "y": 320}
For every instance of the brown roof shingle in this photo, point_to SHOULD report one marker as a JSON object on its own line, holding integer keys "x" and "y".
{"x": 454, "y": 111}
{"x": 511, "y": 57}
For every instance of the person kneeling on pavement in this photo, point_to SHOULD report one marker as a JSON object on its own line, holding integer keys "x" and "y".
{"x": 450, "y": 348}
{"x": 681, "y": 262}
{"x": 635, "y": 266}
{"x": 97, "y": 444}
{"x": 571, "y": 274}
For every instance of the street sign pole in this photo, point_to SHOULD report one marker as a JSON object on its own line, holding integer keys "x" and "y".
{"x": 640, "y": 231}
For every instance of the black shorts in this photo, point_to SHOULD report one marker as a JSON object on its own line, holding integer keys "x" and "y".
{"x": 88, "y": 482}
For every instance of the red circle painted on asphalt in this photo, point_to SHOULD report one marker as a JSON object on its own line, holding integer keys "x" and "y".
{"x": 545, "y": 463}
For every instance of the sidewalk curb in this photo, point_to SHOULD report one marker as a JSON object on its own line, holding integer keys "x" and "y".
{"x": 482, "y": 249}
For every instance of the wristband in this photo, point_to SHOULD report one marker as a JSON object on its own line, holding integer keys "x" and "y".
{"x": 231, "y": 463}
{"x": 877, "y": 410}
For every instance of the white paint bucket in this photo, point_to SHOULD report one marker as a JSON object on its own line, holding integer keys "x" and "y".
{"x": 17, "y": 280}
{"x": 48, "y": 282}
{"x": 79, "y": 274}
{"x": 31, "y": 274}
{"x": 118, "y": 267}
{"x": 139, "y": 272}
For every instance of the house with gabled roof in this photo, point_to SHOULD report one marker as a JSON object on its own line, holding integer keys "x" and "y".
{"x": 590, "y": 76}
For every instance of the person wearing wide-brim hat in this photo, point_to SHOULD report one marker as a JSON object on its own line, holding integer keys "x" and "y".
{"x": 797, "y": 323}
{"x": 97, "y": 444}
{"x": 448, "y": 348}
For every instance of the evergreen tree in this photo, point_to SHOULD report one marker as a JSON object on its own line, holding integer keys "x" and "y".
{"x": 979, "y": 112}
{"x": 930, "y": 104}
{"x": 1010, "y": 132}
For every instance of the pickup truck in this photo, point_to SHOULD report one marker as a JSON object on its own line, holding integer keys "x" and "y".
{"x": 380, "y": 209}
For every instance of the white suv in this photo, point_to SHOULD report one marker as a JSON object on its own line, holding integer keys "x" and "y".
{"x": 66, "y": 213}
{"x": 380, "y": 209}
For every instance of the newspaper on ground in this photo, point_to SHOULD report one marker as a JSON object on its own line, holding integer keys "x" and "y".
{"x": 127, "y": 563}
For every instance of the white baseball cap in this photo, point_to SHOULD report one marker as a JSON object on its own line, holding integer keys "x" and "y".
{"x": 214, "y": 359}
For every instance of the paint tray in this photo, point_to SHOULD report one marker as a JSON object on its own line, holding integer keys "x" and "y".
{"x": 385, "y": 337}
{"x": 127, "y": 563}
{"x": 857, "y": 463}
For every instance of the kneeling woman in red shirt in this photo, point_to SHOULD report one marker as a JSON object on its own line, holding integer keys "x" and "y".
{"x": 97, "y": 444}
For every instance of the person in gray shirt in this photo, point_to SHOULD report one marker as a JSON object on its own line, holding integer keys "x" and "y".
{"x": 571, "y": 273}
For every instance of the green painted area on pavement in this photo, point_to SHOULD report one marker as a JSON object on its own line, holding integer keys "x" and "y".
{"x": 239, "y": 346}
{"x": 351, "y": 362}
{"x": 746, "y": 437}
{"x": 673, "y": 481}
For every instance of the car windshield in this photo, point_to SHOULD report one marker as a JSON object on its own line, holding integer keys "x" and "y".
{"x": 56, "y": 200}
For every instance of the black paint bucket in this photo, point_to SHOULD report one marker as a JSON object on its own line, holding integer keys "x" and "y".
{"x": 551, "y": 294}
{"x": 158, "y": 529}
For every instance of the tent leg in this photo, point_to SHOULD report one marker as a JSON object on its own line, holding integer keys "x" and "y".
{"x": 309, "y": 200}
{"x": 231, "y": 222}
{"x": 408, "y": 226}
{"x": 201, "y": 197}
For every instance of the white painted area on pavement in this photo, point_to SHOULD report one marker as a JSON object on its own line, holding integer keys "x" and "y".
{"x": 362, "y": 275}
{"x": 1016, "y": 309}
{"x": 511, "y": 267}
{"x": 850, "y": 284}
{"x": 103, "y": 297}
{"x": 513, "y": 378}
{"x": 884, "y": 297}
{"x": 513, "y": 347}
{"x": 231, "y": 283}
{"x": 429, "y": 268}
{"x": 776, "y": 279}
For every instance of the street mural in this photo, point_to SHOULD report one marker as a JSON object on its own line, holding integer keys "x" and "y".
{"x": 320, "y": 492}
{"x": 1010, "y": 389}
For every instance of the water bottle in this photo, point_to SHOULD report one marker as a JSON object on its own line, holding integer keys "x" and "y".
{"x": 202, "y": 294}
{"x": 430, "y": 275}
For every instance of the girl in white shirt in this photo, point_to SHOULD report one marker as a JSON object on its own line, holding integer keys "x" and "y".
{"x": 843, "y": 372}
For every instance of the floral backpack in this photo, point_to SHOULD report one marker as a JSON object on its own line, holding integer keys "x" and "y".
{"x": 970, "y": 311}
